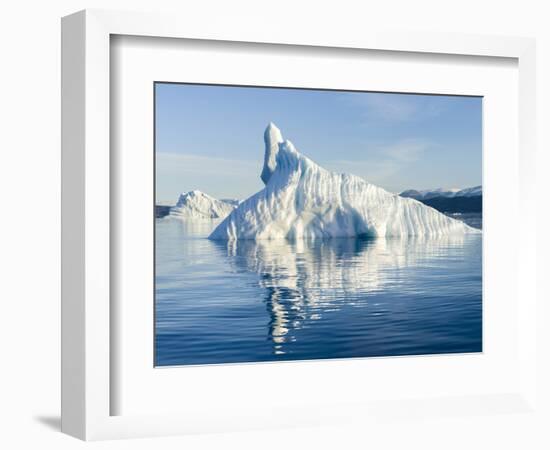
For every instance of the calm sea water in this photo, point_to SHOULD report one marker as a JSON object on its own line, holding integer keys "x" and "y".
{"x": 220, "y": 302}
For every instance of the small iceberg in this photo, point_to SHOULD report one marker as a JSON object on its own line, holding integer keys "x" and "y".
{"x": 198, "y": 205}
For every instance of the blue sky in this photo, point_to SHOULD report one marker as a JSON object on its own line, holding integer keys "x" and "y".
{"x": 211, "y": 137}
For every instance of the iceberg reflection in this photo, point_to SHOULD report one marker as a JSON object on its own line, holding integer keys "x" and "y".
{"x": 306, "y": 281}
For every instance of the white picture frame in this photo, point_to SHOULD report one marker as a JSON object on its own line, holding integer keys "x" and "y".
{"x": 87, "y": 356}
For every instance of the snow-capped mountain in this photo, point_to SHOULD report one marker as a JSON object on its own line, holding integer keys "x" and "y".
{"x": 441, "y": 192}
{"x": 303, "y": 200}
{"x": 198, "y": 205}
{"x": 470, "y": 192}
{"x": 469, "y": 200}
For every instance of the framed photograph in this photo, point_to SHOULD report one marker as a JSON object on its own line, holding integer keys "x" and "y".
{"x": 266, "y": 229}
{"x": 302, "y": 256}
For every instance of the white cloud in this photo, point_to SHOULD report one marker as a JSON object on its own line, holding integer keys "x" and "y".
{"x": 390, "y": 107}
{"x": 406, "y": 150}
{"x": 384, "y": 163}
{"x": 211, "y": 165}
{"x": 395, "y": 107}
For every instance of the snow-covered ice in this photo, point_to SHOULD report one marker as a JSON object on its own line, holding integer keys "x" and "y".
{"x": 198, "y": 205}
{"x": 303, "y": 200}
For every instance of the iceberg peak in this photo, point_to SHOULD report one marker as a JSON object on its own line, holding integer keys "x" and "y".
{"x": 272, "y": 139}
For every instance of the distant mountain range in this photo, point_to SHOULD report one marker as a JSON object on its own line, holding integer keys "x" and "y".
{"x": 162, "y": 211}
{"x": 469, "y": 200}
{"x": 441, "y": 192}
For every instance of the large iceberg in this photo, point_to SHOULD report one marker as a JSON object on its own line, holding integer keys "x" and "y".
{"x": 301, "y": 200}
{"x": 198, "y": 205}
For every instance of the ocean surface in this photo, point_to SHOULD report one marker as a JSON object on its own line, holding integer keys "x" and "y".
{"x": 220, "y": 302}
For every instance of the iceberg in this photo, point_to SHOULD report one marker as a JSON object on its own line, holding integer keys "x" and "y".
{"x": 302, "y": 200}
{"x": 198, "y": 205}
